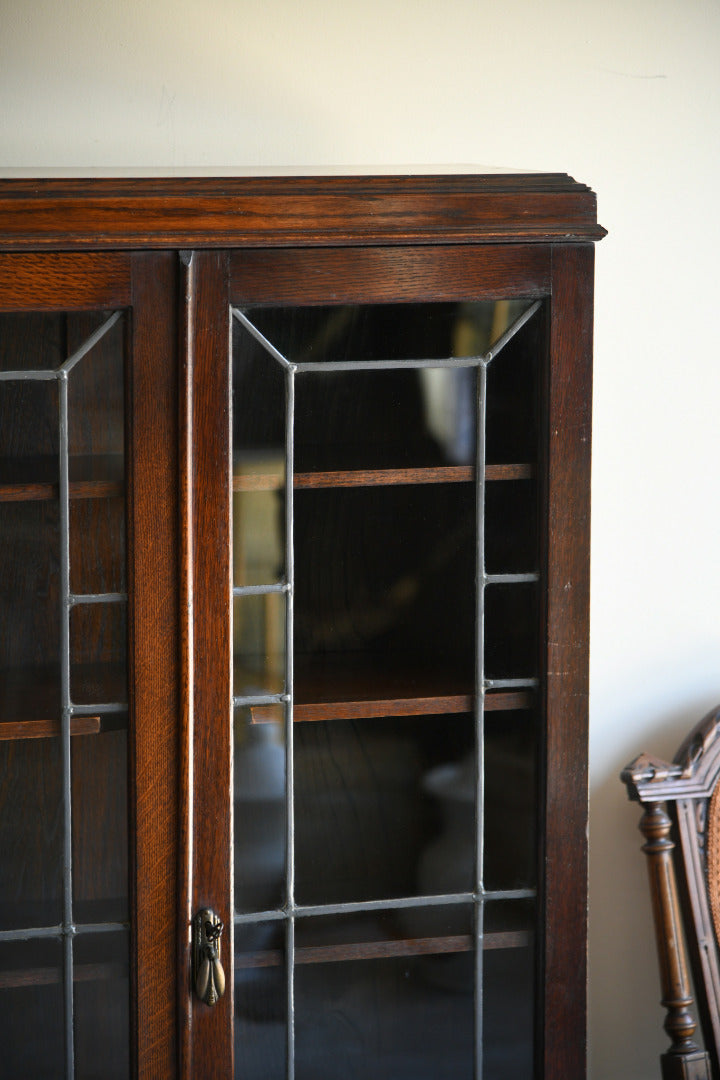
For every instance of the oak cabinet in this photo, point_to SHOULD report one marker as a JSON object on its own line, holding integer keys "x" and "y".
{"x": 293, "y": 626}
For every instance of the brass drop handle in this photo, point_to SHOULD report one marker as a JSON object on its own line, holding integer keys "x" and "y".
{"x": 208, "y": 974}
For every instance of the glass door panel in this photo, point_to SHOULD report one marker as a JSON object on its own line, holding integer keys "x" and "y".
{"x": 386, "y": 751}
{"x": 387, "y": 994}
{"x": 63, "y": 691}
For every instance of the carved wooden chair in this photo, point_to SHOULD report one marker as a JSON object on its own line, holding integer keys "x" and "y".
{"x": 681, "y": 826}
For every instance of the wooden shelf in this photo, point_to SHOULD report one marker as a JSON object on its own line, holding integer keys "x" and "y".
{"x": 46, "y": 729}
{"x": 341, "y": 690}
{"x": 497, "y": 700}
{"x": 451, "y": 474}
{"x": 31, "y": 487}
{"x": 36, "y": 479}
{"x": 30, "y": 704}
{"x": 50, "y": 976}
{"x": 380, "y": 950}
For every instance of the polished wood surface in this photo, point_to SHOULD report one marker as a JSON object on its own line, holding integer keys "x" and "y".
{"x": 47, "y": 729}
{"x": 565, "y": 663}
{"x": 154, "y": 648}
{"x": 450, "y": 474}
{"x": 211, "y": 1044}
{"x": 294, "y": 210}
{"x": 301, "y": 241}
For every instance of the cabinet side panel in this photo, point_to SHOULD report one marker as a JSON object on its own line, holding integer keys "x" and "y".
{"x": 563, "y": 1035}
{"x": 153, "y": 632}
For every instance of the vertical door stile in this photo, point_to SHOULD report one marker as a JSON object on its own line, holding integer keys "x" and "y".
{"x": 185, "y": 810}
{"x": 153, "y": 659}
{"x": 211, "y": 664}
{"x": 567, "y": 469}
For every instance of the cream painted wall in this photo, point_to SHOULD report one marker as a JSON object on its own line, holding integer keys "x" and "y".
{"x": 624, "y": 96}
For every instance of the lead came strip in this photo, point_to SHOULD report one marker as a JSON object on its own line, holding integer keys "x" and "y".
{"x": 289, "y": 690}
{"x": 481, "y": 391}
{"x": 66, "y": 705}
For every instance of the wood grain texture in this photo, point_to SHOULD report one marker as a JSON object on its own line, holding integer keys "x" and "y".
{"x": 47, "y": 729}
{"x": 212, "y": 802}
{"x": 382, "y": 950}
{"x": 349, "y": 478}
{"x": 61, "y": 282}
{"x": 187, "y": 671}
{"x": 389, "y": 275}
{"x": 50, "y": 976}
{"x": 498, "y": 701}
{"x": 279, "y": 211}
{"x": 407, "y": 239}
{"x": 567, "y": 485}
{"x": 80, "y": 489}
{"x": 683, "y": 1058}
{"x": 153, "y": 638}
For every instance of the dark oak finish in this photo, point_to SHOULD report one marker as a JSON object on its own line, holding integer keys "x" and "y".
{"x": 63, "y": 282}
{"x": 451, "y": 474}
{"x": 286, "y": 210}
{"x": 567, "y": 482}
{"x": 45, "y": 729}
{"x": 380, "y": 950}
{"x": 154, "y": 647}
{"x": 211, "y": 1051}
{"x": 418, "y": 274}
{"x": 497, "y": 701}
{"x": 174, "y": 255}
{"x": 79, "y": 489}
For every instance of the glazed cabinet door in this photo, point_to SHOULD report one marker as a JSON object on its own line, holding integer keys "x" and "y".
{"x": 88, "y": 628}
{"x": 385, "y": 494}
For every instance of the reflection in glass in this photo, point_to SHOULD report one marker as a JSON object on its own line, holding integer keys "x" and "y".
{"x": 343, "y": 333}
{"x": 258, "y": 383}
{"x": 510, "y": 799}
{"x": 508, "y": 990}
{"x": 102, "y": 1015}
{"x": 259, "y": 644}
{"x": 511, "y": 631}
{"x": 98, "y": 649}
{"x": 259, "y": 780}
{"x": 31, "y": 1009}
{"x": 96, "y": 417}
{"x": 398, "y": 419}
{"x": 30, "y": 839}
{"x": 372, "y": 803}
{"x": 514, "y": 397}
{"x": 97, "y": 543}
{"x": 511, "y": 527}
{"x": 29, "y": 611}
{"x": 259, "y": 524}
{"x": 32, "y": 341}
{"x": 390, "y": 995}
{"x": 260, "y": 1002}
{"x": 381, "y": 579}
{"x": 99, "y": 821}
{"x": 47, "y": 436}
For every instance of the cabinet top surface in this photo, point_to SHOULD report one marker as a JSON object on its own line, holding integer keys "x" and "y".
{"x": 218, "y": 211}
